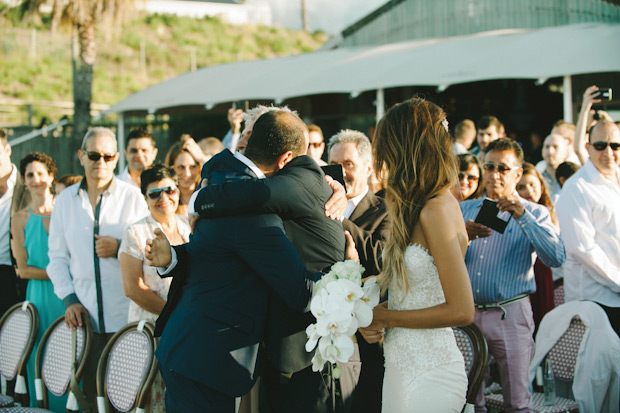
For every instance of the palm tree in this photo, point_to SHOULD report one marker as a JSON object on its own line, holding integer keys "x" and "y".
{"x": 85, "y": 17}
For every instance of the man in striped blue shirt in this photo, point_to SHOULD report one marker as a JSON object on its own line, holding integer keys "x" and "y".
{"x": 500, "y": 267}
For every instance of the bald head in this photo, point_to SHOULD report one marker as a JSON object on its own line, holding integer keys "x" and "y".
{"x": 602, "y": 154}
{"x": 275, "y": 133}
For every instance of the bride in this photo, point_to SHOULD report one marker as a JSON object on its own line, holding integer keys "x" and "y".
{"x": 423, "y": 263}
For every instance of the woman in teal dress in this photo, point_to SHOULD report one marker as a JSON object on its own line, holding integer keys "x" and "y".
{"x": 29, "y": 228}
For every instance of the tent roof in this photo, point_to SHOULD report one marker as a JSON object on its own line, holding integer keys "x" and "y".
{"x": 503, "y": 54}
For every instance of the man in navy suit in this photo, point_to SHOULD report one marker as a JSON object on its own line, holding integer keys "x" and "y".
{"x": 216, "y": 313}
{"x": 215, "y": 319}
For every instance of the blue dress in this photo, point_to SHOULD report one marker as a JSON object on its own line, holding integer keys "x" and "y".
{"x": 41, "y": 294}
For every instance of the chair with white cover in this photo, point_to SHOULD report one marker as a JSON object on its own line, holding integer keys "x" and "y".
{"x": 473, "y": 346}
{"x": 563, "y": 356}
{"x": 61, "y": 357}
{"x": 127, "y": 368}
{"x": 18, "y": 332}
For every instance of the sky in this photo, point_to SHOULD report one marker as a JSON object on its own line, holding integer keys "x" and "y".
{"x": 331, "y": 16}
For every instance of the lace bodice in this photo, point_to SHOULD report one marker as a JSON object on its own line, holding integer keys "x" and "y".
{"x": 415, "y": 351}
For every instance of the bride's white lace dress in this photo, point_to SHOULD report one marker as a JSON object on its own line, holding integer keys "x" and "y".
{"x": 424, "y": 369}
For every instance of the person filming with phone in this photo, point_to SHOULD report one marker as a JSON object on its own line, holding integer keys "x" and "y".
{"x": 500, "y": 262}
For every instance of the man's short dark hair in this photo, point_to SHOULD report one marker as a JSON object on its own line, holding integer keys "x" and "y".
{"x": 274, "y": 133}
{"x": 488, "y": 121}
{"x": 566, "y": 170}
{"x": 3, "y": 138}
{"x": 155, "y": 174}
{"x": 506, "y": 144}
{"x": 139, "y": 133}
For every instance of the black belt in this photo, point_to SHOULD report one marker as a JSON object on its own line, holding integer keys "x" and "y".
{"x": 501, "y": 304}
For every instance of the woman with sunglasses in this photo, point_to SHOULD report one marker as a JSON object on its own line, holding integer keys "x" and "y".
{"x": 142, "y": 284}
{"x": 533, "y": 187}
{"x": 30, "y": 228}
{"x": 187, "y": 166}
{"x": 470, "y": 175}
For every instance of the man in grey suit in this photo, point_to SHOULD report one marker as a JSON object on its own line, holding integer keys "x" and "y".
{"x": 367, "y": 220}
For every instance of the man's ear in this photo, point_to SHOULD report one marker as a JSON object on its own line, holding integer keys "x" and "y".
{"x": 283, "y": 159}
{"x": 80, "y": 153}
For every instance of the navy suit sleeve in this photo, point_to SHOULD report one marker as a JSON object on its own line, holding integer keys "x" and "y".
{"x": 273, "y": 257}
{"x": 181, "y": 267}
{"x": 285, "y": 195}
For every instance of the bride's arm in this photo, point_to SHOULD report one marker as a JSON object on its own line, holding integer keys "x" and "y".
{"x": 441, "y": 222}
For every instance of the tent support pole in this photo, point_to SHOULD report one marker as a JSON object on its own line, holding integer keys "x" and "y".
{"x": 120, "y": 137}
{"x": 568, "y": 99}
{"x": 380, "y": 103}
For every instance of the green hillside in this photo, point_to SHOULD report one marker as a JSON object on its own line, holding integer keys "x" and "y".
{"x": 36, "y": 66}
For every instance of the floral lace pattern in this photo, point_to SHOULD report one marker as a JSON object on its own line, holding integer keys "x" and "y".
{"x": 409, "y": 353}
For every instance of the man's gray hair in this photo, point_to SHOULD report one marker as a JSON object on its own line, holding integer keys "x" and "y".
{"x": 251, "y": 115}
{"x": 96, "y": 132}
{"x": 360, "y": 140}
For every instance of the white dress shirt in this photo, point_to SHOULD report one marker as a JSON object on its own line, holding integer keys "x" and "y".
{"x": 353, "y": 203}
{"x": 125, "y": 177}
{"x": 73, "y": 264}
{"x": 5, "y": 219}
{"x": 589, "y": 215}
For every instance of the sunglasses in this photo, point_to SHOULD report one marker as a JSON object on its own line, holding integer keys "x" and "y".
{"x": 315, "y": 145}
{"x": 601, "y": 146}
{"x": 95, "y": 156}
{"x": 155, "y": 193}
{"x": 473, "y": 178}
{"x": 499, "y": 167}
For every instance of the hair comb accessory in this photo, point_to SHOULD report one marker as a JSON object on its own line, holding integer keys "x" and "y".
{"x": 445, "y": 124}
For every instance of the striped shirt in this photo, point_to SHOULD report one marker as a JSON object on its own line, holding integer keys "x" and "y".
{"x": 501, "y": 266}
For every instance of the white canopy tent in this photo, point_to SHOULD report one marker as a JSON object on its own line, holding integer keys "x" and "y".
{"x": 559, "y": 51}
{"x": 505, "y": 54}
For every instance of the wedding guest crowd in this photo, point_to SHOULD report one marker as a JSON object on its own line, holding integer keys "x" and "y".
{"x": 77, "y": 245}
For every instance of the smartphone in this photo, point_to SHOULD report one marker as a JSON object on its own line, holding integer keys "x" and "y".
{"x": 604, "y": 93}
{"x": 336, "y": 172}
{"x": 491, "y": 216}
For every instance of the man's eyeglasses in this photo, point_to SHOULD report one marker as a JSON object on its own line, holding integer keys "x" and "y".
{"x": 473, "y": 178}
{"x": 601, "y": 146}
{"x": 95, "y": 156}
{"x": 499, "y": 167}
{"x": 316, "y": 145}
{"x": 155, "y": 193}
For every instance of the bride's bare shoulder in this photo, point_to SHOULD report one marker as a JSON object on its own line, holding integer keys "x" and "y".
{"x": 443, "y": 207}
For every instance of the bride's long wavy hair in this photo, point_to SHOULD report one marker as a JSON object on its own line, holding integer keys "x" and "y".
{"x": 414, "y": 146}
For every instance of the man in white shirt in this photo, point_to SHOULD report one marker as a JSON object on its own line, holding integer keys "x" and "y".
{"x": 554, "y": 152}
{"x": 140, "y": 154}
{"x": 13, "y": 198}
{"x": 86, "y": 227}
{"x": 589, "y": 215}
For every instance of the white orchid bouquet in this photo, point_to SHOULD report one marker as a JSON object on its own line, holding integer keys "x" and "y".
{"x": 341, "y": 305}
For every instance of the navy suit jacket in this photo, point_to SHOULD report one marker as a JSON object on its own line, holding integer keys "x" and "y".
{"x": 298, "y": 194}
{"x": 215, "y": 316}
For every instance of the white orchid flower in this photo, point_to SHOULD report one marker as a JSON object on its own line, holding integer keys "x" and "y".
{"x": 348, "y": 290}
{"x": 322, "y": 304}
{"x": 363, "y": 313}
{"x": 372, "y": 292}
{"x": 335, "y": 322}
{"x": 313, "y": 337}
{"x": 317, "y": 362}
{"x": 348, "y": 270}
{"x": 325, "y": 279}
{"x": 339, "y": 348}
